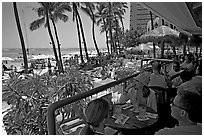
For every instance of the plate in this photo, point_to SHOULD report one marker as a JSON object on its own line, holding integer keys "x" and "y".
{"x": 142, "y": 119}
{"x": 134, "y": 110}
{"x": 151, "y": 115}
{"x": 127, "y": 106}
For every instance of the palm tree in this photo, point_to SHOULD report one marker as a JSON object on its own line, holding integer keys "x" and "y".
{"x": 118, "y": 10}
{"x": 75, "y": 9}
{"x": 58, "y": 8}
{"x": 110, "y": 25}
{"x": 44, "y": 13}
{"x": 79, "y": 36}
{"x": 114, "y": 11}
{"x": 100, "y": 16}
{"x": 90, "y": 7}
{"x": 21, "y": 37}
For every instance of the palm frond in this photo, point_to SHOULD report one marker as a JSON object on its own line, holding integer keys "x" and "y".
{"x": 62, "y": 17}
{"x": 37, "y": 24}
{"x": 86, "y": 11}
{"x": 41, "y": 11}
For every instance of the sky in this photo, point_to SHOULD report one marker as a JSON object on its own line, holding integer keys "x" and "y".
{"x": 39, "y": 38}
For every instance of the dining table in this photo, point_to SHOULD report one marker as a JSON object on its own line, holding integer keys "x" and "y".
{"x": 132, "y": 125}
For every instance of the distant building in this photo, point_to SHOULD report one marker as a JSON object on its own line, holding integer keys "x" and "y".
{"x": 159, "y": 22}
{"x": 140, "y": 18}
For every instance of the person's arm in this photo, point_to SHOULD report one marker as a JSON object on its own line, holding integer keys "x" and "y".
{"x": 126, "y": 95}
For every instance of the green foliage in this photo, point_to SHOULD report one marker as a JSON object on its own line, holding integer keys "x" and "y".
{"x": 123, "y": 72}
{"x": 131, "y": 38}
{"x": 29, "y": 96}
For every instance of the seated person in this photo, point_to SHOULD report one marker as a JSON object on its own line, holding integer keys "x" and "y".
{"x": 158, "y": 82}
{"x": 138, "y": 92}
{"x": 156, "y": 78}
{"x": 174, "y": 75}
{"x": 96, "y": 112}
{"x": 130, "y": 91}
{"x": 187, "y": 64}
{"x": 186, "y": 75}
{"x": 187, "y": 109}
{"x": 147, "y": 97}
{"x": 199, "y": 68}
{"x": 195, "y": 85}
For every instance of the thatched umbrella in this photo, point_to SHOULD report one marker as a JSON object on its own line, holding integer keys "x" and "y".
{"x": 195, "y": 41}
{"x": 163, "y": 34}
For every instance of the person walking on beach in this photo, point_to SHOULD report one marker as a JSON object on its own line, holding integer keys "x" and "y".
{"x": 49, "y": 67}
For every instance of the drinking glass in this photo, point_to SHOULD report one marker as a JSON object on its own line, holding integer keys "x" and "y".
{"x": 117, "y": 110}
{"x": 135, "y": 106}
{"x": 142, "y": 111}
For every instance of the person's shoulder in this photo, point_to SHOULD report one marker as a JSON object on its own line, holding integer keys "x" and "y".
{"x": 164, "y": 131}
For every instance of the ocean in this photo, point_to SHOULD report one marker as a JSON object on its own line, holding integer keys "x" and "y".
{"x": 17, "y": 52}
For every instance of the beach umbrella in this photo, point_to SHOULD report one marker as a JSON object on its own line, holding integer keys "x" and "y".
{"x": 50, "y": 56}
{"x": 144, "y": 47}
{"x": 162, "y": 33}
{"x": 159, "y": 32}
{"x": 39, "y": 57}
{"x": 7, "y": 59}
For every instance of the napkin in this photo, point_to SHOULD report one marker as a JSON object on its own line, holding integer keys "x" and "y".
{"x": 121, "y": 119}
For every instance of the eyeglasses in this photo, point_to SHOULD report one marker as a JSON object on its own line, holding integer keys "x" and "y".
{"x": 173, "y": 104}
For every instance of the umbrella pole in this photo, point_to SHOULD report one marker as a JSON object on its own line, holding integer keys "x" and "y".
{"x": 152, "y": 24}
{"x": 154, "y": 50}
{"x": 200, "y": 50}
{"x": 162, "y": 49}
{"x": 174, "y": 50}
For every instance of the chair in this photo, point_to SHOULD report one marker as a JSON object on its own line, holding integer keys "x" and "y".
{"x": 161, "y": 93}
{"x": 163, "y": 108}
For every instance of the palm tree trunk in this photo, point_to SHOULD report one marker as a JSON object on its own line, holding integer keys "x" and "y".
{"x": 59, "y": 51}
{"x": 184, "y": 50}
{"x": 21, "y": 37}
{"x": 110, "y": 28}
{"x": 116, "y": 37}
{"x": 106, "y": 37}
{"x": 79, "y": 37}
{"x": 82, "y": 31}
{"x": 93, "y": 32}
{"x": 52, "y": 40}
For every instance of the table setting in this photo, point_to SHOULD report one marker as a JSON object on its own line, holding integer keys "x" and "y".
{"x": 125, "y": 117}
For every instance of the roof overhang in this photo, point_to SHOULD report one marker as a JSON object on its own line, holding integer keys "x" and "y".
{"x": 180, "y": 14}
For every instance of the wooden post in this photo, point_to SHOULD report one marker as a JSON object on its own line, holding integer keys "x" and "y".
{"x": 152, "y": 29}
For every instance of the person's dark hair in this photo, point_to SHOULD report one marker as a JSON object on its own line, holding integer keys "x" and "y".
{"x": 186, "y": 76}
{"x": 145, "y": 91}
{"x": 192, "y": 103}
{"x": 156, "y": 66}
{"x": 177, "y": 64}
{"x": 96, "y": 111}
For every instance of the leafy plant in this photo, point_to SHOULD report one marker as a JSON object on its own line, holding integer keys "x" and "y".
{"x": 29, "y": 96}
